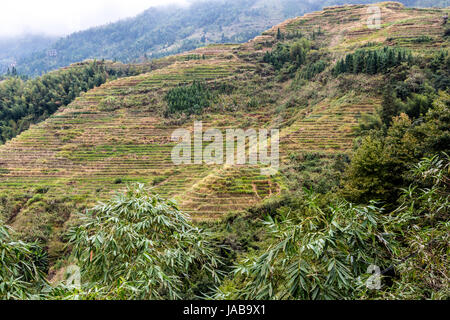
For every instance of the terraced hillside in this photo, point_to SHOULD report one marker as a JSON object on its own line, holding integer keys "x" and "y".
{"x": 120, "y": 132}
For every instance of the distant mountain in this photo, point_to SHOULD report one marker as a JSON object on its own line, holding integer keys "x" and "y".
{"x": 12, "y": 49}
{"x": 163, "y": 31}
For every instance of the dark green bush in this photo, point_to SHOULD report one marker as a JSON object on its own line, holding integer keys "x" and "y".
{"x": 191, "y": 99}
{"x": 372, "y": 61}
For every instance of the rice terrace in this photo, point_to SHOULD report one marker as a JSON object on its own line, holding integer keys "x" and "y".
{"x": 358, "y": 118}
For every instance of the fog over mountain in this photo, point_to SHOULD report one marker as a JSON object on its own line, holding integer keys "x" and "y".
{"x": 59, "y": 18}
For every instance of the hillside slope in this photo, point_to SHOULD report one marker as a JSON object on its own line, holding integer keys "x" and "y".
{"x": 119, "y": 133}
{"x": 162, "y": 31}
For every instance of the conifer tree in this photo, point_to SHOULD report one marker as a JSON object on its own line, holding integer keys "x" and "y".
{"x": 279, "y": 35}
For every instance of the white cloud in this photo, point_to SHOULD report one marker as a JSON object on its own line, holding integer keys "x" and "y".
{"x": 59, "y": 17}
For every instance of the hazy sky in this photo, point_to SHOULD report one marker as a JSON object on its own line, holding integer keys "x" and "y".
{"x": 59, "y": 17}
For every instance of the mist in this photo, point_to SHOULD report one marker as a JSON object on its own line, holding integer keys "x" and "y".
{"x": 58, "y": 18}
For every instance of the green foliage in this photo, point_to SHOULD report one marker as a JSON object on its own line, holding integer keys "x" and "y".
{"x": 139, "y": 246}
{"x": 317, "y": 253}
{"x": 423, "y": 39}
{"x": 23, "y": 103}
{"x": 440, "y": 67}
{"x": 372, "y": 61}
{"x": 322, "y": 250}
{"x": 313, "y": 171}
{"x": 109, "y": 104}
{"x": 420, "y": 228}
{"x": 22, "y": 267}
{"x": 294, "y": 53}
{"x": 415, "y": 105}
{"x": 369, "y": 122}
{"x": 435, "y": 131}
{"x": 413, "y": 90}
{"x": 417, "y": 119}
{"x": 118, "y": 181}
{"x": 447, "y": 32}
{"x": 279, "y": 34}
{"x": 314, "y": 244}
{"x": 36, "y": 198}
{"x": 312, "y": 69}
{"x": 191, "y": 99}
{"x": 379, "y": 165}
{"x": 390, "y": 106}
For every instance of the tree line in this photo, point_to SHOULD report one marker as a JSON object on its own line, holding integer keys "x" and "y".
{"x": 188, "y": 99}
{"x": 291, "y": 53}
{"x": 24, "y": 102}
{"x": 372, "y": 61}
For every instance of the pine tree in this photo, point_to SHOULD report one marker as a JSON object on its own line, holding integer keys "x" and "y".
{"x": 375, "y": 62}
{"x": 358, "y": 63}
{"x": 389, "y": 107}
{"x": 410, "y": 58}
{"x": 340, "y": 68}
{"x": 279, "y": 35}
{"x": 348, "y": 67}
{"x": 370, "y": 65}
{"x": 390, "y": 59}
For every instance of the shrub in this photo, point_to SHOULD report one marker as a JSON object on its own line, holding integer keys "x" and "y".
{"x": 317, "y": 253}
{"x": 324, "y": 250}
{"x": 139, "y": 246}
{"x": 36, "y": 198}
{"x": 109, "y": 104}
{"x": 293, "y": 53}
{"x": 312, "y": 69}
{"x": 422, "y": 39}
{"x": 22, "y": 267}
{"x": 190, "y": 99}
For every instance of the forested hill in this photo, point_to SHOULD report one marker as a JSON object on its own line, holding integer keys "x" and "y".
{"x": 13, "y": 48}
{"x": 164, "y": 31}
